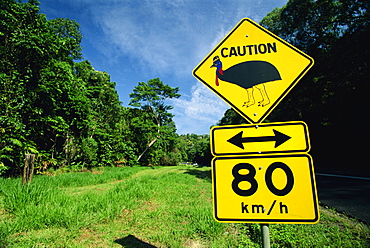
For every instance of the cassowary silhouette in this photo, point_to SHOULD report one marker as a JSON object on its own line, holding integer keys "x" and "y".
{"x": 248, "y": 75}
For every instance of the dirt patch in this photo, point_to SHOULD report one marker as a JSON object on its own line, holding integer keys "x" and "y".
{"x": 91, "y": 238}
{"x": 191, "y": 243}
{"x": 4, "y": 214}
{"x": 97, "y": 172}
{"x": 149, "y": 206}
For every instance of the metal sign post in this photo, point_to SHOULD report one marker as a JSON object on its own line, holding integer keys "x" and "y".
{"x": 265, "y": 233}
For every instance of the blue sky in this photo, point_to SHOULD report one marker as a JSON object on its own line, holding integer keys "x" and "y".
{"x": 135, "y": 41}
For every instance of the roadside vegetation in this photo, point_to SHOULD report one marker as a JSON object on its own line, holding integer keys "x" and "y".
{"x": 54, "y": 104}
{"x": 144, "y": 207}
{"x": 106, "y": 175}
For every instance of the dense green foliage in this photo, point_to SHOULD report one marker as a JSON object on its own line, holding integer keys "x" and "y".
{"x": 195, "y": 148}
{"x": 65, "y": 111}
{"x": 333, "y": 33}
{"x": 332, "y": 97}
{"x": 231, "y": 117}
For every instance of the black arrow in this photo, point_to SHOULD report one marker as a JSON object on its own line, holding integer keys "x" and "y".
{"x": 279, "y": 139}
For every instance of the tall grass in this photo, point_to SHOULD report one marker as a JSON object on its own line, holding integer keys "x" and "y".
{"x": 166, "y": 207}
{"x": 79, "y": 179}
{"x": 45, "y": 203}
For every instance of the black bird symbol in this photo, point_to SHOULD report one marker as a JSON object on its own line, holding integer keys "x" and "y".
{"x": 248, "y": 75}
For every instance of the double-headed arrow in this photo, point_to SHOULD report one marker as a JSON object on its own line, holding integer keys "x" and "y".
{"x": 278, "y": 137}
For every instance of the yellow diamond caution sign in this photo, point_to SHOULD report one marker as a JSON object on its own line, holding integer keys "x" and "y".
{"x": 265, "y": 189}
{"x": 252, "y": 70}
{"x": 264, "y": 138}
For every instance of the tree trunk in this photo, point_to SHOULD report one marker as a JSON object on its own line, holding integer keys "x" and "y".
{"x": 147, "y": 147}
{"x": 153, "y": 141}
{"x": 29, "y": 165}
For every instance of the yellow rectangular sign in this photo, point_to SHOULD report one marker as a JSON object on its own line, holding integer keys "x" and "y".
{"x": 264, "y": 138}
{"x": 265, "y": 189}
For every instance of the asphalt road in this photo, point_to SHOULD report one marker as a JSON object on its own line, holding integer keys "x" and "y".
{"x": 348, "y": 194}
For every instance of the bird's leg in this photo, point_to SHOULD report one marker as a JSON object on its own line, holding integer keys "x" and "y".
{"x": 265, "y": 99}
{"x": 250, "y": 96}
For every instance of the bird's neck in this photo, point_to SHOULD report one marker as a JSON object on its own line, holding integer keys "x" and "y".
{"x": 220, "y": 71}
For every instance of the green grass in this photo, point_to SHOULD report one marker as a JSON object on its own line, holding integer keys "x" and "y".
{"x": 144, "y": 207}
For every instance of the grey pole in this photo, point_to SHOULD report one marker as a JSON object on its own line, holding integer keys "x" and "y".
{"x": 265, "y": 235}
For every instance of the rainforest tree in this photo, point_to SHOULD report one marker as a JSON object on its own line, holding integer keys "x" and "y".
{"x": 157, "y": 127}
{"x": 65, "y": 112}
{"x": 33, "y": 50}
{"x": 332, "y": 96}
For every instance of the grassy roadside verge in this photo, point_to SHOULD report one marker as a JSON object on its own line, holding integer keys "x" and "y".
{"x": 144, "y": 207}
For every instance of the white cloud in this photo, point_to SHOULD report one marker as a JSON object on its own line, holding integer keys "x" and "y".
{"x": 153, "y": 36}
{"x": 165, "y": 36}
{"x": 195, "y": 114}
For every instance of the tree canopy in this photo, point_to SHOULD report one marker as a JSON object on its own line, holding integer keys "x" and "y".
{"x": 159, "y": 127}
{"x": 57, "y": 106}
{"x": 332, "y": 96}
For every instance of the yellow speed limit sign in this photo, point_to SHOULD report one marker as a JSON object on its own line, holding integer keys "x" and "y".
{"x": 265, "y": 189}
